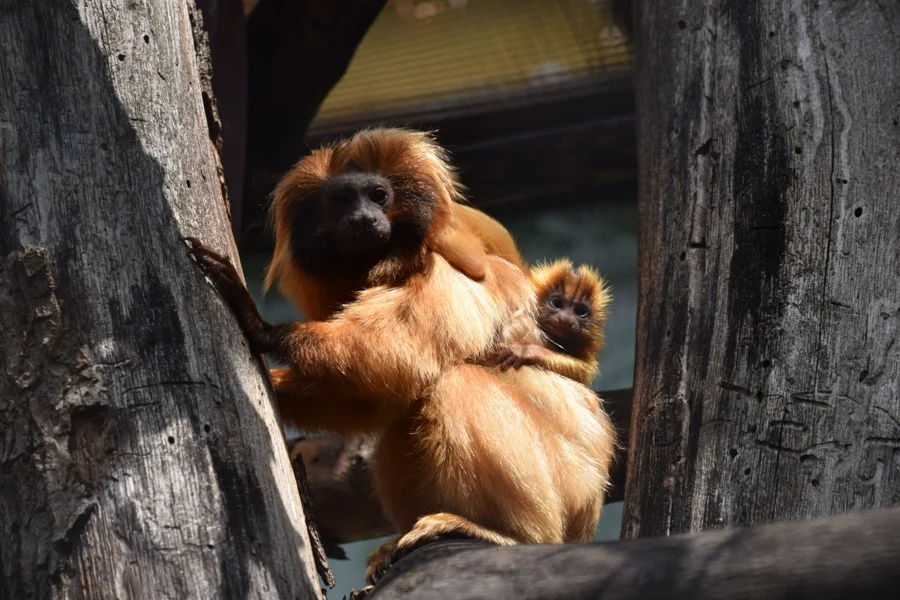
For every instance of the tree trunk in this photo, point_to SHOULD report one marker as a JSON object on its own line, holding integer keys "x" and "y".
{"x": 766, "y": 383}
{"x": 140, "y": 456}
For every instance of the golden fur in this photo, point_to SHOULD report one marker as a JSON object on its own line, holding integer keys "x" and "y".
{"x": 521, "y": 456}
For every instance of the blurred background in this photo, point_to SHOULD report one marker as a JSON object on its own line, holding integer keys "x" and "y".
{"x": 533, "y": 98}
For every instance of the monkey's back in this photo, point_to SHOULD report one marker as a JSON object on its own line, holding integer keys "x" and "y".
{"x": 526, "y": 455}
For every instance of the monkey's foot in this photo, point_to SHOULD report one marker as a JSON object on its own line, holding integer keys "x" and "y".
{"x": 428, "y": 529}
{"x": 360, "y": 594}
{"x": 227, "y": 280}
{"x": 380, "y": 560}
{"x": 516, "y": 356}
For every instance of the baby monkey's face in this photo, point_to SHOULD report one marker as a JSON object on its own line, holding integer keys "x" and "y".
{"x": 563, "y": 316}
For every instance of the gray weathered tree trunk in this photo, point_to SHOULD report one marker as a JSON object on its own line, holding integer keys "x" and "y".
{"x": 140, "y": 456}
{"x": 768, "y": 362}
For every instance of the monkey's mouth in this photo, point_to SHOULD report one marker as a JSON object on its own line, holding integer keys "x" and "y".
{"x": 558, "y": 332}
{"x": 363, "y": 240}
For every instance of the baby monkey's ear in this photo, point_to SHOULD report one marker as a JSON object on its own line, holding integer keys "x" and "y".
{"x": 462, "y": 249}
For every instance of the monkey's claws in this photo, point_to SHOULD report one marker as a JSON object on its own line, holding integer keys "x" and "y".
{"x": 218, "y": 267}
{"x": 227, "y": 280}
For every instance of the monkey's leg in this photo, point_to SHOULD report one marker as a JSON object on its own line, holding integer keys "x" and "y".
{"x": 429, "y": 528}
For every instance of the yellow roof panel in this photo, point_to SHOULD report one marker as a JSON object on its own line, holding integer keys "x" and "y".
{"x": 448, "y": 52}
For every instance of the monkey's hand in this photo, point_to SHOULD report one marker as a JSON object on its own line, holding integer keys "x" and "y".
{"x": 516, "y": 356}
{"x": 218, "y": 268}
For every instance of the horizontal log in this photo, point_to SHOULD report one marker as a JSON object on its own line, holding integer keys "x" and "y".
{"x": 846, "y": 556}
{"x": 340, "y": 480}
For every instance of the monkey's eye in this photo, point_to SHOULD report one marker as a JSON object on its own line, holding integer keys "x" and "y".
{"x": 555, "y": 302}
{"x": 581, "y": 311}
{"x": 378, "y": 196}
{"x": 340, "y": 199}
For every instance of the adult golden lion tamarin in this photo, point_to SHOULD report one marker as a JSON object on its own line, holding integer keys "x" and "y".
{"x": 521, "y": 456}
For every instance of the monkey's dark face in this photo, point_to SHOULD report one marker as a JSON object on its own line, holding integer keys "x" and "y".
{"x": 354, "y": 206}
{"x": 565, "y": 319}
{"x": 346, "y": 225}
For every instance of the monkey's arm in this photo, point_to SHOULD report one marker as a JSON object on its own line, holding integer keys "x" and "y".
{"x": 515, "y": 356}
{"x": 376, "y": 354}
{"x": 463, "y": 249}
{"x": 496, "y": 238}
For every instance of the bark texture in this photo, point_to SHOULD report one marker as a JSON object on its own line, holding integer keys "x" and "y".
{"x": 140, "y": 456}
{"x": 768, "y": 362}
{"x": 846, "y": 556}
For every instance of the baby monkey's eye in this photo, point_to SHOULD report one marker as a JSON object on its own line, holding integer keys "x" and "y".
{"x": 379, "y": 195}
{"x": 581, "y": 311}
{"x": 555, "y": 302}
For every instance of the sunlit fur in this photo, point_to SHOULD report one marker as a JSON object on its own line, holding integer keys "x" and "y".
{"x": 510, "y": 457}
{"x": 579, "y": 359}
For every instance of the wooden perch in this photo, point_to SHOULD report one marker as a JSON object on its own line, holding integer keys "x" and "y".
{"x": 340, "y": 480}
{"x": 847, "y": 556}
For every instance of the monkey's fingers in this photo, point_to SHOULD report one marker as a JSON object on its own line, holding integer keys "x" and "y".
{"x": 221, "y": 271}
{"x": 504, "y": 359}
{"x": 379, "y": 561}
{"x": 215, "y": 264}
{"x": 511, "y": 359}
{"x": 210, "y": 255}
{"x": 194, "y": 242}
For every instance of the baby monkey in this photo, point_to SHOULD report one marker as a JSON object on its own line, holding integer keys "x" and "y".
{"x": 572, "y": 306}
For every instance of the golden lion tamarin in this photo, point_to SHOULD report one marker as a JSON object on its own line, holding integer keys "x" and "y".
{"x": 572, "y": 307}
{"x": 521, "y": 456}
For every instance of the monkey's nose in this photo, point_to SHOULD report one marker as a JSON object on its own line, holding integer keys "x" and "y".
{"x": 364, "y": 222}
{"x": 566, "y": 322}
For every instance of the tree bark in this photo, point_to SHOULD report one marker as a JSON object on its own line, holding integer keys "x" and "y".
{"x": 140, "y": 455}
{"x": 845, "y": 556}
{"x": 766, "y": 383}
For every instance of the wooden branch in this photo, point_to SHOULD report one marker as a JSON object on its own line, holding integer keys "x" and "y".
{"x": 339, "y": 476}
{"x": 848, "y": 556}
{"x": 312, "y": 529}
{"x": 140, "y": 455}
